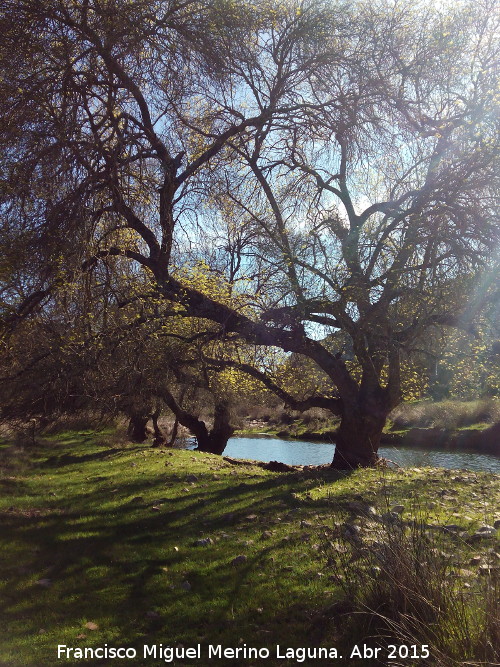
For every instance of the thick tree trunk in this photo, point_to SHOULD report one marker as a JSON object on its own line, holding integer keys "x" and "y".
{"x": 215, "y": 441}
{"x": 137, "y": 430}
{"x": 358, "y": 437}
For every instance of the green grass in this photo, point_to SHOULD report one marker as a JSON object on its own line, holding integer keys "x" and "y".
{"x": 113, "y": 527}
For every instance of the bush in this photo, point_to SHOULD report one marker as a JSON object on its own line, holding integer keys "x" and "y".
{"x": 445, "y": 414}
{"x": 403, "y": 588}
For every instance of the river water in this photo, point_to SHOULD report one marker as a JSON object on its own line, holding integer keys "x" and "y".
{"x": 299, "y": 452}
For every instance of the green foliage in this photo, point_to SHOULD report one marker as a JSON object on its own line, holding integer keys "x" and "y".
{"x": 469, "y": 366}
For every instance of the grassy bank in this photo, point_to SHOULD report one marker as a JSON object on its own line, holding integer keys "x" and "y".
{"x": 110, "y": 543}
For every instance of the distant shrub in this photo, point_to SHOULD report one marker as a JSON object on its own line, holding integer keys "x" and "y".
{"x": 446, "y": 414}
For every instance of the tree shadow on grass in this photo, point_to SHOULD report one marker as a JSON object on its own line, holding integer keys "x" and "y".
{"x": 109, "y": 563}
{"x": 70, "y": 459}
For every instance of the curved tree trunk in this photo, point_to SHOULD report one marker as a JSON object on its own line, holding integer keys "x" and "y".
{"x": 173, "y": 434}
{"x": 215, "y": 441}
{"x": 160, "y": 438}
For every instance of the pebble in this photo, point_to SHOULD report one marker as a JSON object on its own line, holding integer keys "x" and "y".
{"x": 186, "y": 586}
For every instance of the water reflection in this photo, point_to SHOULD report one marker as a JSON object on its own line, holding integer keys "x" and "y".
{"x": 298, "y": 452}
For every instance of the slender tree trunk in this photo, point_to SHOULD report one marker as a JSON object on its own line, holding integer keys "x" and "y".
{"x": 160, "y": 438}
{"x": 137, "y": 431}
{"x": 358, "y": 437}
{"x": 173, "y": 435}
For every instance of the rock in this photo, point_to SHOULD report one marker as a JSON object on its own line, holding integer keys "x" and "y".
{"x": 451, "y": 528}
{"x": 486, "y": 529}
{"x": 186, "y": 586}
{"x": 191, "y": 478}
{"x": 251, "y": 517}
{"x": 91, "y": 626}
{"x": 152, "y": 614}
{"x": 239, "y": 559}
{"x": 389, "y": 518}
{"x": 266, "y": 535}
{"x": 305, "y": 524}
{"x": 352, "y": 533}
{"x": 203, "y": 542}
{"x": 398, "y": 509}
{"x": 484, "y": 533}
{"x": 277, "y": 466}
{"x": 496, "y": 525}
{"x": 475, "y": 560}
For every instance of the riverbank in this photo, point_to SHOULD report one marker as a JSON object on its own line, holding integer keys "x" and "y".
{"x": 485, "y": 440}
{"x": 105, "y": 542}
{"x": 454, "y": 425}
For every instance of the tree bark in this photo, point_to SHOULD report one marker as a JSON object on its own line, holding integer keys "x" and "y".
{"x": 173, "y": 434}
{"x": 136, "y": 430}
{"x": 215, "y": 441}
{"x": 358, "y": 437}
{"x": 160, "y": 438}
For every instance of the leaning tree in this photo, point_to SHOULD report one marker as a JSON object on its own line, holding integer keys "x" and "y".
{"x": 345, "y": 155}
